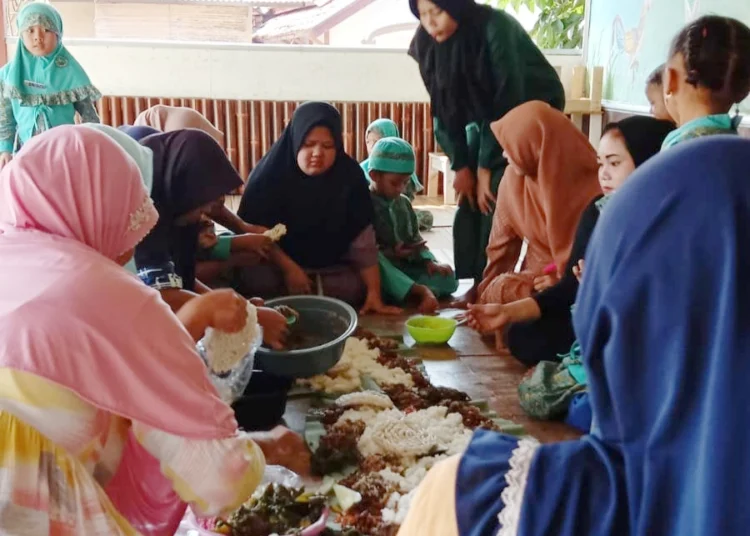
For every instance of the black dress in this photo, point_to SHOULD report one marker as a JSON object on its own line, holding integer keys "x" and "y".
{"x": 552, "y": 334}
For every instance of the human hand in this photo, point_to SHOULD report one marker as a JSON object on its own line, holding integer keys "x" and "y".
{"x": 374, "y": 305}
{"x": 487, "y": 318}
{"x": 274, "y": 327}
{"x": 438, "y": 268}
{"x": 297, "y": 281}
{"x": 578, "y": 270}
{"x": 5, "y": 158}
{"x": 249, "y": 228}
{"x": 222, "y": 309}
{"x": 485, "y": 196}
{"x": 465, "y": 185}
{"x": 545, "y": 281}
{"x": 256, "y": 244}
{"x": 283, "y": 447}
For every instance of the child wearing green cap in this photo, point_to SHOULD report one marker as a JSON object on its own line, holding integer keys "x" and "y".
{"x": 407, "y": 268}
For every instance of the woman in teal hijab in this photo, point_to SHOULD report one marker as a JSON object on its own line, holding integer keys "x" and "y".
{"x": 44, "y": 86}
{"x": 387, "y": 128}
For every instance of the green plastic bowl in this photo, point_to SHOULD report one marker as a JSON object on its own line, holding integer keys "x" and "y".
{"x": 431, "y": 329}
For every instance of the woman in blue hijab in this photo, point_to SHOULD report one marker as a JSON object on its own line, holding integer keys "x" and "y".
{"x": 662, "y": 317}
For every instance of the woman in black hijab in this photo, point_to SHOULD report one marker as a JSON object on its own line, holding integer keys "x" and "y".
{"x": 308, "y": 183}
{"x": 540, "y": 328}
{"x": 477, "y": 64}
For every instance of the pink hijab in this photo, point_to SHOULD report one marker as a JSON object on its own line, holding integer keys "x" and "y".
{"x": 170, "y": 118}
{"x": 71, "y": 202}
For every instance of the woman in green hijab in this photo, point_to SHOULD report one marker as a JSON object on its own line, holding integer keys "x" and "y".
{"x": 44, "y": 86}
{"x": 387, "y": 128}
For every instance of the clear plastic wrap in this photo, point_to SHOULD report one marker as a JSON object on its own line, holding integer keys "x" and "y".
{"x": 231, "y": 385}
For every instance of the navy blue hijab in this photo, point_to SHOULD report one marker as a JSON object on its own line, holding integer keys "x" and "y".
{"x": 323, "y": 214}
{"x": 138, "y": 132}
{"x": 191, "y": 170}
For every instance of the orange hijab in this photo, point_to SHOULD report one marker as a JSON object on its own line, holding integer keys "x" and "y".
{"x": 170, "y": 118}
{"x": 544, "y": 204}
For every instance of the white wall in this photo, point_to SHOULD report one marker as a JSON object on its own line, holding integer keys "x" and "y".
{"x": 253, "y": 72}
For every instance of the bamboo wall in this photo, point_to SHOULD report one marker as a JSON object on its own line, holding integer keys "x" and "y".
{"x": 251, "y": 127}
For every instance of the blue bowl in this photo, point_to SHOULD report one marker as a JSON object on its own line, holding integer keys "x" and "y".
{"x": 333, "y": 320}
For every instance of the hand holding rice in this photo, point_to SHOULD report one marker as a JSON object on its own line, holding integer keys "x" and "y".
{"x": 225, "y": 350}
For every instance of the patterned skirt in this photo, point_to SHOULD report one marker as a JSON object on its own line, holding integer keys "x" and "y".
{"x": 44, "y": 490}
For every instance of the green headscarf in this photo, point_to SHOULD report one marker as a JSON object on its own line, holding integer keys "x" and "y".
{"x": 47, "y": 86}
{"x": 387, "y": 128}
{"x": 392, "y": 155}
{"x": 143, "y": 156}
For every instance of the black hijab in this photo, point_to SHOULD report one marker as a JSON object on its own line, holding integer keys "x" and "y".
{"x": 643, "y": 135}
{"x": 324, "y": 213}
{"x": 457, "y": 73}
{"x": 190, "y": 170}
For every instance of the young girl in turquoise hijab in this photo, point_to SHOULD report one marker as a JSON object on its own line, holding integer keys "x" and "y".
{"x": 44, "y": 86}
{"x": 387, "y": 128}
{"x": 708, "y": 73}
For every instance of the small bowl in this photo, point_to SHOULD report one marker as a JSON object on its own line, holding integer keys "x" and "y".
{"x": 431, "y": 329}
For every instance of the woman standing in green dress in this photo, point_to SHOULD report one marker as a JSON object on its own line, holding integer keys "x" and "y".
{"x": 477, "y": 64}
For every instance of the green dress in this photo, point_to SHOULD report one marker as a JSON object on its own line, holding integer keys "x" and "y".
{"x": 521, "y": 74}
{"x": 395, "y": 222}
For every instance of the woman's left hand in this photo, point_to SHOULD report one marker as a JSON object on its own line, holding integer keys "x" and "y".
{"x": 374, "y": 305}
{"x": 485, "y": 196}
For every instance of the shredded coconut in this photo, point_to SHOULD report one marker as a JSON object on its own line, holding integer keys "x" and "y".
{"x": 225, "y": 350}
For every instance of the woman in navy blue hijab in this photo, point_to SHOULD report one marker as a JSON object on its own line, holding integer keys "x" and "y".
{"x": 663, "y": 318}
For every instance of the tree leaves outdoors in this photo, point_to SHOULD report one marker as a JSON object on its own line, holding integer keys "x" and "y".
{"x": 560, "y": 22}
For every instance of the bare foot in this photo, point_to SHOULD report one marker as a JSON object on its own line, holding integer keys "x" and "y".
{"x": 428, "y": 303}
{"x": 463, "y": 302}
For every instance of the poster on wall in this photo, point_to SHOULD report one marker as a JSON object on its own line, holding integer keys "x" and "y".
{"x": 630, "y": 38}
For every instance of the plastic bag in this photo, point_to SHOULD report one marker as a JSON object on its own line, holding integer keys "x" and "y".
{"x": 193, "y": 526}
{"x": 143, "y": 495}
{"x": 231, "y": 385}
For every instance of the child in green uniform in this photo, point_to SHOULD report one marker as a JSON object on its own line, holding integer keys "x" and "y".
{"x": 407, "y": 268}
{"x": 43, "y": 86}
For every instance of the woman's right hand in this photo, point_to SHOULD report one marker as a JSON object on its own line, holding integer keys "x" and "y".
{"x": 297, "y": 281}
{"x": 487, "y": 318}
{"x": 223, "y": 309}
{"x": 5, "y": 159}
{"x": 274, "y": 327}
{"x": 283, "y": 447}
{"x": 578, "y": 270}
{"x": 465, "y": 185}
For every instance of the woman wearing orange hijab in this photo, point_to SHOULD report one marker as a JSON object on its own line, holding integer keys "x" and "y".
{"x": 551, "y": 178}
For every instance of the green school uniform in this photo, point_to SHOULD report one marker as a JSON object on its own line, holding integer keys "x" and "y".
{"x": 519, "y": 73}
{"x": 395, "y": 222}
{"x": 709, "y": 125}
{"x": 39, "y": 93}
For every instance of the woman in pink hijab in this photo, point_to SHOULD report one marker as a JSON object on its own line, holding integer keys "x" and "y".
{"x": 90, "y": 356}
{"x": 170, "y": 118}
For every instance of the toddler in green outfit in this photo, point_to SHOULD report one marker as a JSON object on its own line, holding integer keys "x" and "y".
{"x": 407, "y": 268}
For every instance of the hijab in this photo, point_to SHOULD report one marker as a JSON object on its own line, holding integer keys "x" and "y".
{"x": 387, "y": 128}
{"x": 53, "y": 80}
{"x": 643, "y": 136}
{"x": 170, "y": 118}
{"x": 544, "y": 205}
{"x": 143, "y": 156}
{"x": 662, "y": 318}
{"x": 72, "y": 202}
{"x": 190, "y": 171}
{"x": 137, "y": 133}
{"x": 323, "y": 214}
{"x": 457, "y": 73}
